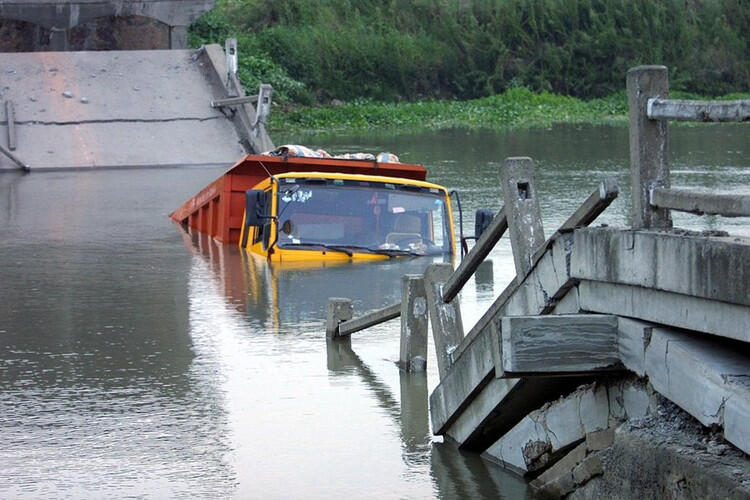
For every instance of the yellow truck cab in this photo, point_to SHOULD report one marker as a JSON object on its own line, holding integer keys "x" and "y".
{"x": 298, "y": 216}
{"x": 291, "y": 208}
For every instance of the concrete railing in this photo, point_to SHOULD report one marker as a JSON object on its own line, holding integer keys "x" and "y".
{"x": 650, "y": 110}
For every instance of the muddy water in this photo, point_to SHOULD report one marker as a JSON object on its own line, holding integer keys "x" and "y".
{"x": 140, "y": 361}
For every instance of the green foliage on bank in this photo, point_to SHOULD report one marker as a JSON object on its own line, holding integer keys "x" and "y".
{"x": 395, "y": 50}
{"x": 516, "y": 108}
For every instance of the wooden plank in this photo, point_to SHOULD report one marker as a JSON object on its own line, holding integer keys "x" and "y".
{"x": 697, "y": 202}
{"x": 700, "y": 111}
{"x": 522, "y": 210}
{"x": 649, "y": 145}
{"x": 558, "y": 344}
{"x": 11, "y": 117}
{"x": 476, "y": 256}
{"x": 370, "y": 319}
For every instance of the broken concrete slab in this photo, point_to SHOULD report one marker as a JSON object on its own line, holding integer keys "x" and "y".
{"x": 673, "y": 309}
{"x": 543, "y": 435}
{"x": 702, "y": 377}
{"x": 716, "y": 268}
{"x": 554, "y": 344}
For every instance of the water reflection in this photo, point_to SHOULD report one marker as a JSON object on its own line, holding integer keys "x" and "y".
{"x": 139, "y": 360}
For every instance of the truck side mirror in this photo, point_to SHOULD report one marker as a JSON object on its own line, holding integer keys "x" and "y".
{"x": 482, "y": 221}
{"x": 254, "y": 207}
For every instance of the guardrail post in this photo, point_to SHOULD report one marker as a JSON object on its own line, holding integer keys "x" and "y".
{"x": 263, "y": 105}
{"x": 522, "y": 210}
{"x": 649, "y": 145}
{"x": 339, "y": 310}
{"x": 413, "y": 352}
{"x": 445, "y": 317}
{"x": 230, "y": 50}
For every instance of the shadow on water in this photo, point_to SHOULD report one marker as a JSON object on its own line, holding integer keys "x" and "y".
{"x": 455, "y": 474}
{"x": 280, "y": 296}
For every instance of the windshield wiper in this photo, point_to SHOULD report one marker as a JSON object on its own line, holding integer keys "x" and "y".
{"x": 335, "y": 248}
{"x": 390, "y": 252}
{"x": 347, "y": 249}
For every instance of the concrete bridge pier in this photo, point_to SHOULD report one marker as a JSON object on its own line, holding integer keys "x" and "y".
{"x": 75, "y": 25}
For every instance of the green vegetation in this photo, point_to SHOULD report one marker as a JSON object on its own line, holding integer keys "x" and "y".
{"x": 469, "y": 62}
{"x": 512, "y": 109}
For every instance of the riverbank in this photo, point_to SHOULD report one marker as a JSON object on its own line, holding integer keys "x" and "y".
{"x": 517, "y": 108}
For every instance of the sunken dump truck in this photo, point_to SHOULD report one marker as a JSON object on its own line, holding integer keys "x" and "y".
{"x": 295, "y": 208}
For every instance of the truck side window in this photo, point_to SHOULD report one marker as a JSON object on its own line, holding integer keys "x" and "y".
{"x": 263, "y": 233}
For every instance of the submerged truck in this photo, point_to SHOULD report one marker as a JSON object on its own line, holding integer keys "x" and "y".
{"x": 290, "y": 208}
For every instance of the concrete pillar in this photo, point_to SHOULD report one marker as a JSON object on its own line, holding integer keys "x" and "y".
{"x": 649, "y": 145}
{"x": 413, "y": 353}
{"x": 445, "y": 317}
{"x": 339, "y": 310}
{"x": 178, "y": 37}
{"x": 58, "y": 39}
{"x": 522, "y": 210}
{"x": 415, "y": 421}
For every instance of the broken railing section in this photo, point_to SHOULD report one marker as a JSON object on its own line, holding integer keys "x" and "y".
{"x": 249, "y": 120}
{"x": 10, "y": 116}
{"x": 413, "y": 313}
{"x": 413, "y": 309}
{"x": 650, "y": 110}
{"x": 475, "y": 370}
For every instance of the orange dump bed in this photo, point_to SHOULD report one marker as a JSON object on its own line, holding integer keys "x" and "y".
{"x": 218, "y": 208}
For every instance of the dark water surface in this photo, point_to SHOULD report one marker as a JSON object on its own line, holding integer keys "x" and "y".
{"x": 139, "y": 361}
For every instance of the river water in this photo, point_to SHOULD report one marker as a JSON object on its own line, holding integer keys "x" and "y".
{"x": 137, "y": 360}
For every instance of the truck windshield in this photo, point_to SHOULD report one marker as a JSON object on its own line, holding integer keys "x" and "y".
{"x": 361, "y": 215}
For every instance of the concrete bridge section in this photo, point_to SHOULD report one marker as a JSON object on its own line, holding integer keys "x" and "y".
{"x": 610, "y": 342}
{"x": 57, "y": 18}
{"x": 124, "y": 109}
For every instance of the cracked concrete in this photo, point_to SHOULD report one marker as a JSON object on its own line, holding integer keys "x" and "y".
{"x": 545, "y": 434}
{"x": 143, "y": 109}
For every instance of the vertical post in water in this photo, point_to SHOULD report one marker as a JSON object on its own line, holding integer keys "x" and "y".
{"x": 339, "y": 310}
{"x": 413, "y": 353}
{"x": 445, "y": 317}
{"x": 649, "y": 145}
{"x": 522, "y": 210}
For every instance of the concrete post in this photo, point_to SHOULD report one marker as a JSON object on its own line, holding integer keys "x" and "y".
{"x": 415, "y": 419}
{"x": 649, "y": 145}
{"x": 522, "y": 210}
{"x": 445, "y": 317}
{"x": 230, "y": 49}
{"x": 58, "y": 39}
{"x": 413, "y": 353}
{"x": 178, "y": 37}
{"x": 339, "y": 310}
{"x": 263, "y": 106}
